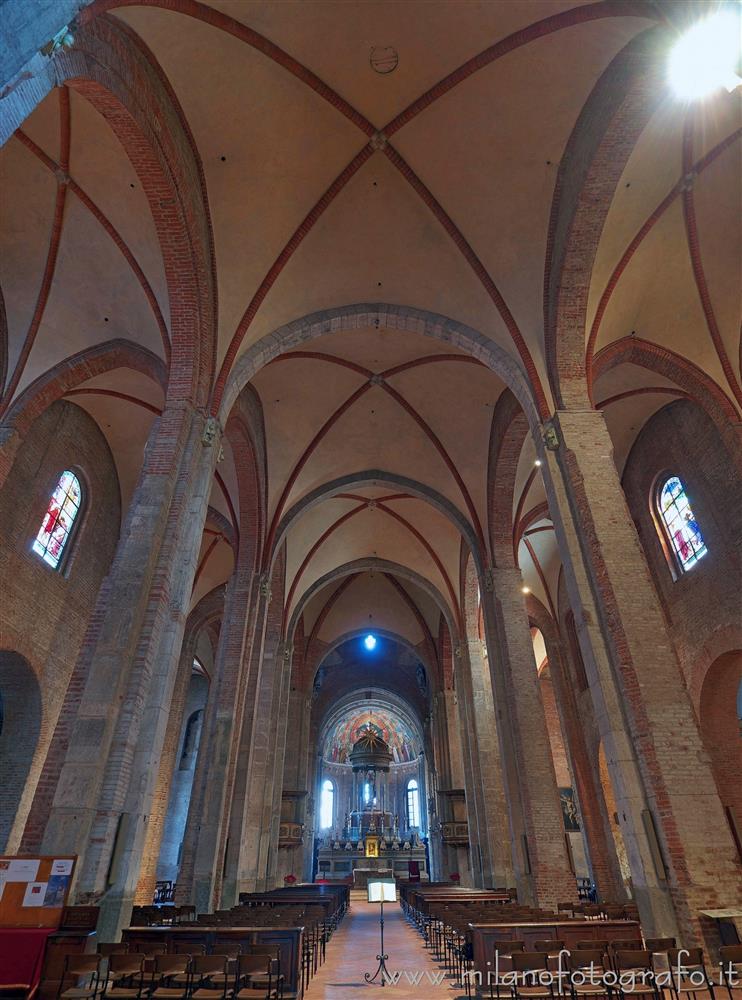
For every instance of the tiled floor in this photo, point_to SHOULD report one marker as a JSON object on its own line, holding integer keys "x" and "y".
{"x": 353, "y": 950}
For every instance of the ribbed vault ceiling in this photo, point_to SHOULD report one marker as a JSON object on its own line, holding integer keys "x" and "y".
{"x": 448, "y": 214}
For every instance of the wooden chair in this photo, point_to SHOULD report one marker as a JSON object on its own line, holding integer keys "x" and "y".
{"x": 171, "y": 977}
{"x": 249, "y": 969}
{"x": 617, "y": 946}
{"x": 119, "y": 948}
{"x": 85, "y": 970}
{"x": 686, "y": 967}
{"x": 730, "y": 958}
{"x": 550, "y": 947}
{"x": 601, "y": 946}
{"x": 638, "y": 962}
{"x": 188, "y": 948}
{"x": 504, "y": 950}
{"x": 274, "y": 977}
{"x": 527, "y": 967}
{"x": 594, "y": 965}
{"x": 660, "y": 945}
{"x": 125, "y": 979}
{"x": 210, "y": 977}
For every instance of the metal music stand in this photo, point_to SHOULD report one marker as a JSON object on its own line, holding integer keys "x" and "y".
{"x": 381, "y": 891}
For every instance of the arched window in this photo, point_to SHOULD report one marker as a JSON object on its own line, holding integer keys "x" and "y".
{"x": 326, "y": 804}
{"x": 681, "y": 528}
{"x": 59, "y": 519}
{"x": 413, "y": 804}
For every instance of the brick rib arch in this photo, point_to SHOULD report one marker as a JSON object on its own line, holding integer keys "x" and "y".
{"x": 110, "y": 67}
{"x": 688, "y": 377}
{"x": 65, "y": 376}
{"x": 245, "y": 431}
{"x": 376, "y": 477}
{"x": 352, "y": 569}
{"x": 400, "y": 318}
{"x": 610, "y": 123}
{"x": 507, "y": 435}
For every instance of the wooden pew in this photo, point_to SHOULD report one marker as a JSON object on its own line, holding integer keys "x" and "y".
{"x": 483, "y": 936}
{"x": 290, "y": 940}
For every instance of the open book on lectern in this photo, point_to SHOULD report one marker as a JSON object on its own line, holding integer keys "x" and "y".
{"x": 382, "y": 891}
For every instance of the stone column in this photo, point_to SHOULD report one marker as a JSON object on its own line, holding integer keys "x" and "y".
{"x": 107, "y": 782}
{"x": 543, "y": 868}
{"x": 252, "y": 856}
{"x": 204, "y": 843}
{"x": 489, "y": 838}
{"x": 601, "y": 849}
{"x": 681, "y": 852}
{"x": 296, "y": 768}
{"x": 165, "y": 775}
{"x": 449, "y": 758}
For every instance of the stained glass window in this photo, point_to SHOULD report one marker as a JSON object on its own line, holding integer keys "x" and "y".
{"x": 680, "y": 524}
{"x": 326, "y": 803}
{"x": 64, "y": 506}
{"x": 413, "y": 804}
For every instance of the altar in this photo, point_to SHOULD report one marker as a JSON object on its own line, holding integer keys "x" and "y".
{"x": 340, "y": 862}
{"x": 362, "y": 876}
{"x": 371, "y": 840}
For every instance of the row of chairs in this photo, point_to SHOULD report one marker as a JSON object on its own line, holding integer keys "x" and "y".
{"x": 430, "y": 924}
{"x": 318, "y": 924}
{"x": 592, "y": 972}
{"x": 122, "y": 975}
{"x": 617, "y": 969}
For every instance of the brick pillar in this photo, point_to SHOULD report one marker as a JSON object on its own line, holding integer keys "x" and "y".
{"x": 447, "y": 773}
{"x": 227, "y": 889}
{"x": 107, "y": 782}
{"x": 168, "y": 760}
{"x": 204, "y": 842}
{"x": 297, "y": 762}
{"x": 600, "y": 845}
{"x": 255, "y": 825}
{"x": 536, "y": 812}
{"x": 489, "y": 837}
{"x": 681, "y": 852}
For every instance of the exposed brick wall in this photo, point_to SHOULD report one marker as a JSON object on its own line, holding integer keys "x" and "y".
{"x": 44, "y": 613}
{"x": 626, "y": 641}
{"x": 610, "y": 802}
{"x": 20, "y": 722}
{"x": 554, "y": 728}
{"x": 703, "y": 605}
{"x": 581, "y": 728}
{"x": 722, "y": 732}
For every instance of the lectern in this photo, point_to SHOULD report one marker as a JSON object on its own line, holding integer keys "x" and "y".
{"x": 381, "y": 891}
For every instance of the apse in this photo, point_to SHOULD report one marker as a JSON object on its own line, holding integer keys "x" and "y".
{"x": 372, "y": 776}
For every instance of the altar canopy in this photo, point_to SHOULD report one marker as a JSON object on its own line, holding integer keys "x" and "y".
{"x": 388, "y": 726}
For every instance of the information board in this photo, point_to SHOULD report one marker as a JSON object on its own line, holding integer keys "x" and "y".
{"x": 34, "y": 889}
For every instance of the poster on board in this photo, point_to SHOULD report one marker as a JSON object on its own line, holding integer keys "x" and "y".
{"x": 56, "y": 889}
{"x": 19, "y": 869}
{"x": 34, "y": 894}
